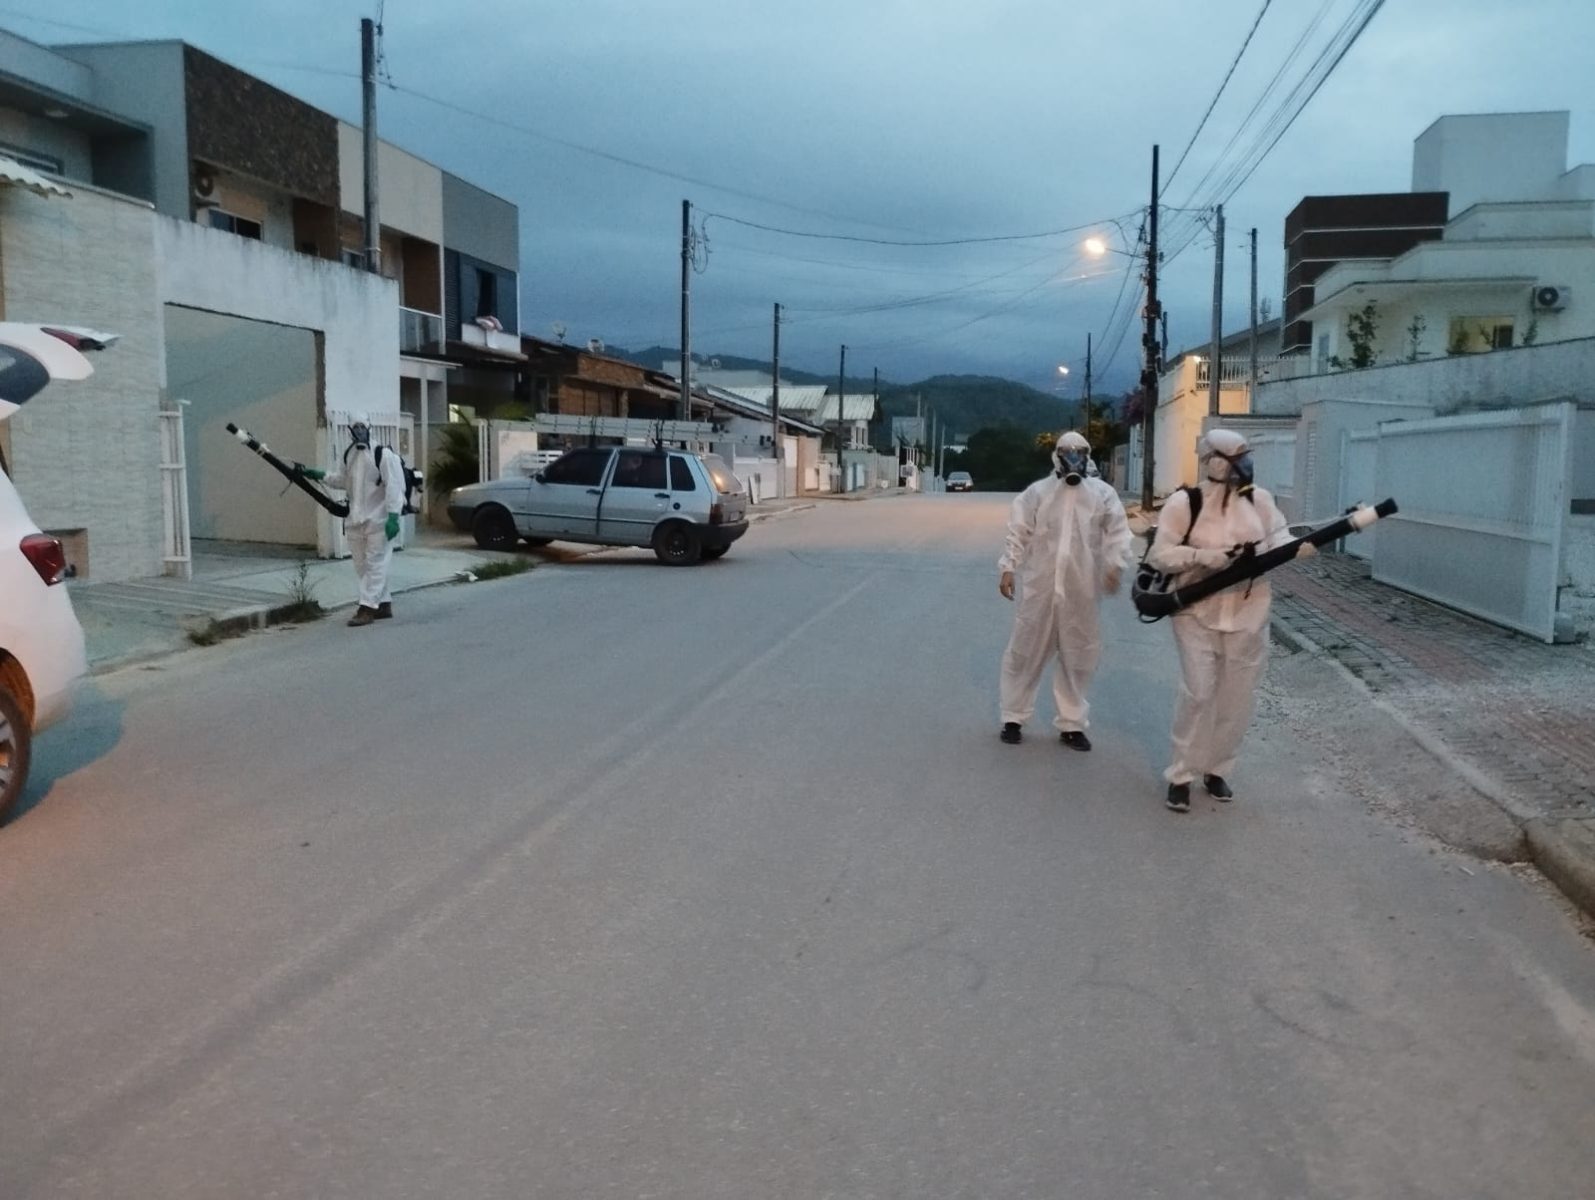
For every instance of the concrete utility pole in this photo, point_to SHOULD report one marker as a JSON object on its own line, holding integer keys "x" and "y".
{"x": 368, "y": 94}
{"x": 1087, "y": 429}
{"x": 776, "y": 442}
{"x": 1215, "y": 358}
{"x": 1251, "y": 386}
{"x": 841, "y": 409}
{"x": 686, "y": 310}
{"x": 1151, "y": 360}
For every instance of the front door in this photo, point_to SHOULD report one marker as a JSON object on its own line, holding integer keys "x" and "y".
{"x": 563, "y": 500}
{"x": 637, "y": 497}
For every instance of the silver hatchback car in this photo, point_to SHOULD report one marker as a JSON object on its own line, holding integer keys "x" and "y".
{"x": 687, "y": 507}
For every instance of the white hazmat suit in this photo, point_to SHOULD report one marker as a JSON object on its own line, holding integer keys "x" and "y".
{"x": 1066, "y": 545}
{"x": 1222, "y": 640}
{"x": 374, "y": 497}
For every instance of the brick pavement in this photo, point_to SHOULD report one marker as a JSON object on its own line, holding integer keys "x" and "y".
{"x": 1519, "y": 711}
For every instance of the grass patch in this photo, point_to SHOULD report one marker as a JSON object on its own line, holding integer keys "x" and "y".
{"x": 502, "y": 568}
{"x": 301, "y": 612}
{"x": 210, "y": 634}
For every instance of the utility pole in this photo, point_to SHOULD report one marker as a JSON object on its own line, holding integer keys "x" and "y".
{"x": 368, "y": 94}
{"x": 1215, "y": 358}
{"x": 686, "y": 310}
{"x": 1151, "y": 360}
{"x": 1087, "y": 430}
{"x": 1251, "y": 386}
{"x": 778, "y": 446}
{"x": 841, "y": 408}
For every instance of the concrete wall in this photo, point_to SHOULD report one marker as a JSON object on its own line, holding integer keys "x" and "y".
{"x": 46, "y": 67}
{"x": 86, "y": 456}
{"x": 1578, "y": 184}
{"x": 409, "y": 189}
{"x": 263, "y": 377}
{"x": 1499, "y": 379}
{"x": 1578, "y": 565}
{"x": 1176, "y": 428}
{"x": 144, "y": 81}
{"x": 1583, "y": 481}
{"x": 1491, "y": 156}
{"x": 1318, "y": 449}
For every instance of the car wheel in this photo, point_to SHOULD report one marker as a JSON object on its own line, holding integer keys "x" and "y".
{"x": 493, "y": 528}
{"x": 711, "y": 553}
{"x": 677, "y": 544}
{"x": 538, "y": 543}
{"x": 16, "y": 751}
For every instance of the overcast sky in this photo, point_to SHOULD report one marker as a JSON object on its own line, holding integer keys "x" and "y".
{"x": 886, "y": 119}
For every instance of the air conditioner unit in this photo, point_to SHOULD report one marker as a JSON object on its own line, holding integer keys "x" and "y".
{"x": 205, "y": 190}
{"x": 1551, "y": 297}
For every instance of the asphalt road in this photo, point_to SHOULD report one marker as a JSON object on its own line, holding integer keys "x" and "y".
{"x": 617, "y": 880}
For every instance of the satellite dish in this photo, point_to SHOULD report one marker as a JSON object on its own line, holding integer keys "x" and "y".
{"x": 595, "y": 345}
{"x": 559, "y": 330}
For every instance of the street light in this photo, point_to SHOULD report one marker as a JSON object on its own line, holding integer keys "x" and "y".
{"x": 1095, "y": 247}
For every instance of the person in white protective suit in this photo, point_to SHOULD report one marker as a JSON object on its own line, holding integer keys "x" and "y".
{"x": 1066, "y": 546}
{"x": 1222, "y": 640}
{"x": 376, "y": 499}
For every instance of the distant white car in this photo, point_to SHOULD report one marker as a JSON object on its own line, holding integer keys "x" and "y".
{"x": 959, "y": 481}
{"x": 42, "y": 653}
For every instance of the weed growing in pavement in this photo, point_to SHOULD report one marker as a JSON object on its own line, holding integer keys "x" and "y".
{"x": 212, "y": 632}
{"x": 503, "y": 567}
{"x": 303, "y": 605}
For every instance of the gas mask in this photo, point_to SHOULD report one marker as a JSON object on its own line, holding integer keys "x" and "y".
{"x": 1072, "y": 455}
{"x": 1241, "y": 470}
{"x": 360, "y": 434}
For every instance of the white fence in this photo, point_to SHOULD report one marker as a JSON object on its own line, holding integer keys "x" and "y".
{"x": 1359, "y": 480}
{"x": 1484, "y": 508}
{"x": 177, "y": 555}
{"x": 760, "y": 476}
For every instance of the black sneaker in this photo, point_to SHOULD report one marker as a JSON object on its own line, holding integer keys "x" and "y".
{"x": 385, "y": 611}
{"x": 1075, "y": 740}
{"x": 1010, "y": 733}
{"x": 1217, "y": 788}
{"x": 1179, "y": 797}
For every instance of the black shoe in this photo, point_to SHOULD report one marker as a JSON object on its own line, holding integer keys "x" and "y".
{"x": 1179, "y": 797}
{"x": 385, "y": 611}
{"x": 363, "y": 616}
{"x": 1010, "y": 733}
{"x": 1217, "y": 788}
{"x": 1075, "y": 740}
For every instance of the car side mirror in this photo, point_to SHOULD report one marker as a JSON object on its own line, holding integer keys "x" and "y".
{"x": 539, "y": 477}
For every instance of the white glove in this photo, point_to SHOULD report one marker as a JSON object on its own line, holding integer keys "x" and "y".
{"x": 1212, "y": 559}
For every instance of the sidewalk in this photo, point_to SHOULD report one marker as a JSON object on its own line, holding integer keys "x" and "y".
{"x": 243, "y": 587}
{"x": 1513, "y": 716}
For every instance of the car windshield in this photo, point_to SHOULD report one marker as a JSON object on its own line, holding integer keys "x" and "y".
{"x": 724, "y": 481}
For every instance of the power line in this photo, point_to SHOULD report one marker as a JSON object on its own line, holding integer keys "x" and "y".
{"x": 1213, "y": 103}
{"x": 964, "y": 241}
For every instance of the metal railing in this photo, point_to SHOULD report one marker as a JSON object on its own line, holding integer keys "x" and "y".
{"x": 419, "y": 331}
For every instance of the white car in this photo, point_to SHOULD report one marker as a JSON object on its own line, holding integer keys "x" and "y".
{"x": 42, "y": 654}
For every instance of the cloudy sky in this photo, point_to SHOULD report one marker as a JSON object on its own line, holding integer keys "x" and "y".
{"x": 890, "y": 121}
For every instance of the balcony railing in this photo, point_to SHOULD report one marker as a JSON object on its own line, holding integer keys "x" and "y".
{"x": 419, "y": 331}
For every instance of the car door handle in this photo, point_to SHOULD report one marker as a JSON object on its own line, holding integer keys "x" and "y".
{"x": 661, "y": 495}
{"x": 595, "y": 491}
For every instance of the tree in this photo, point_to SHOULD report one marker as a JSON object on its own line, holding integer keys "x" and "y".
{"x": 1362, "y": 328}
{"x": 1415, "y": 336}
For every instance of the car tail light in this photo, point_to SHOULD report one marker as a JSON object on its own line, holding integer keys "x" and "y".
{"x": 717, "y": 514}
{"x": 47, "y": 555}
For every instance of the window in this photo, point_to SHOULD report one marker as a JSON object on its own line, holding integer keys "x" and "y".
{"x": 724, "y": 481}
{"x": 353, "y": 258}
{"x": 242, "y": 226}
{"x": 640, "y": 469}
{"x": 486, "y": 293}
{"x": 681, "y": 479}
{"x": 32, "y": 158}
{"x": 1475, "y": 335}
{"x": 584, "y": 468}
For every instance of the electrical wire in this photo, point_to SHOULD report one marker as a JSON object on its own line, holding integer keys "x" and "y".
{"x": 964, "y": 241}
{"x": 1213, "y": 103}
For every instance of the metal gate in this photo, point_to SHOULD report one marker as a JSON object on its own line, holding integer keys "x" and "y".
{"x": 1484, "y": 503}
{"x": 177, "y": 556}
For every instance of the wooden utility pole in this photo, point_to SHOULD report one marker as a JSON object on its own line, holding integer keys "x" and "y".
{"x": 368, "y": 96}
{"x": 686, "y": 310}
{"x": 841, "y": 409}
{"x": 1151, "y": 360}
{"x": 778, "y": 446}
{"x": 1251, "y": 386}
{"x": 1215, "y": 358}
{"x": 1087, "y": 429}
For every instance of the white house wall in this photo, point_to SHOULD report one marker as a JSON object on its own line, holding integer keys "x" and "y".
{"x": 86, "y": 456}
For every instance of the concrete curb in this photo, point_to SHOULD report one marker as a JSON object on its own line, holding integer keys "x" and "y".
{"x": 1563, "y": 848}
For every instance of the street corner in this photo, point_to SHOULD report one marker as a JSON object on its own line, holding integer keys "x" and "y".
{"x": 1563, "y": 848}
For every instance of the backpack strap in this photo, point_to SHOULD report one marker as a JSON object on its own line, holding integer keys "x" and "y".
{"x": 376, "y": 453}
{"x": 1193, "y": 496}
